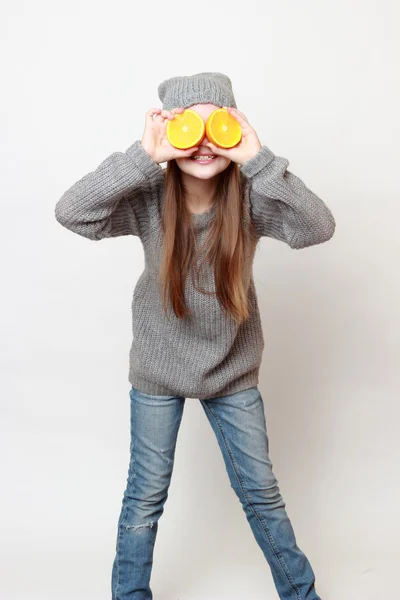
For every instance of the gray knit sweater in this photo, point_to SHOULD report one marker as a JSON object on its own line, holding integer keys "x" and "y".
{"x": 208, "y": 355}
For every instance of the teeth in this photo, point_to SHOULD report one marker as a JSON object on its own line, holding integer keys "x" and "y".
{"x": 204, "y": 157}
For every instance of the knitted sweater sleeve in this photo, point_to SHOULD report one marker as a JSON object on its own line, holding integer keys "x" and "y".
{"x": 113, "y": 199}
{"x": 281, "y": 205}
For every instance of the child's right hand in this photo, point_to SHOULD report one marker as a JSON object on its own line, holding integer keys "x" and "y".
{"x": 154, "y": 140}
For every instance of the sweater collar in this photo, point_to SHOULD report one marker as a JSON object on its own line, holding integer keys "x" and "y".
{"x": 201, "y": 220}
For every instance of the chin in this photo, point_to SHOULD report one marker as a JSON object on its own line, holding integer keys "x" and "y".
{"x": 190, "y": 167}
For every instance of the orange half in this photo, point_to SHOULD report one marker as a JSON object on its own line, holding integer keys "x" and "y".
{"x": 223, "y": 129}
{"x": 186, "y": 130}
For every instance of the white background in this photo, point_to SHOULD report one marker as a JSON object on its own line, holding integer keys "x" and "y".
{"x": 319, "y": 81}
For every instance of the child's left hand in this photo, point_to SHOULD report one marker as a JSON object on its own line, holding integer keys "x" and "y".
{"x": 248, "y": 146}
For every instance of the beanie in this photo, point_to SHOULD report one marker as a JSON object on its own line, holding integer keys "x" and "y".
{"x": 200, "y": 88}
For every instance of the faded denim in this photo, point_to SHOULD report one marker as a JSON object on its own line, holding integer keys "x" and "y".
{"x": 238, "y": 421}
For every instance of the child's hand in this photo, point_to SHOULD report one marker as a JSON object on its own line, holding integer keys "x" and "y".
{"x": 248, "y": 146}
{"x": 154, "y": 139}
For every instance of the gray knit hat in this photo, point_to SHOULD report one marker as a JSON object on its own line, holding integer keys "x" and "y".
{"x": 201, "y": 88}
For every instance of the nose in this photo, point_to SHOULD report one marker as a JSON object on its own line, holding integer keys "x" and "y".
{"x": 204, "y": 141}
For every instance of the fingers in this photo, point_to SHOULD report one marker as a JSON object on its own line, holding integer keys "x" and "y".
{"x": 217, "y": 150}
{"x": 170, "y": 114}
{"x": 152, "y": 113}
{"x": 166, "y": 114}
{"x": 187, "y": 152}
{"x": 236, "y": 113}
{"x": 240, "y": 113}
{"x": 161, "y": 115}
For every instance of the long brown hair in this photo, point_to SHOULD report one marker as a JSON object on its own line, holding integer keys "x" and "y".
{"x": 230, "y": 244}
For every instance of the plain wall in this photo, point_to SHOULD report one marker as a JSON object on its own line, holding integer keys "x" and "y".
{"x": 319, "y": 82}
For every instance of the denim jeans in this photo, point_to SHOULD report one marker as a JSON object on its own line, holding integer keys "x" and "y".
{"x": 238, "y": 421}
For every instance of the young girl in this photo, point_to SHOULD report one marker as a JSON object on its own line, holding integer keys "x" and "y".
{"x": 195, "y": 317}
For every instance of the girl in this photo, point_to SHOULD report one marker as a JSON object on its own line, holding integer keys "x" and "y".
{"x": 195, "y": 318}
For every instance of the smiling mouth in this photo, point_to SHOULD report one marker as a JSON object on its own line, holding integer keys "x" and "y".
{"x": 205, "y": 158}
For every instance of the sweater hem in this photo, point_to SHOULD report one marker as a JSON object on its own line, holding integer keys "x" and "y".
{"x": 240, "y": 384}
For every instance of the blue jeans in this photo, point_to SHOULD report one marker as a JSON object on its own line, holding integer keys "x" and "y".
{"x": 238, "y": 421}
